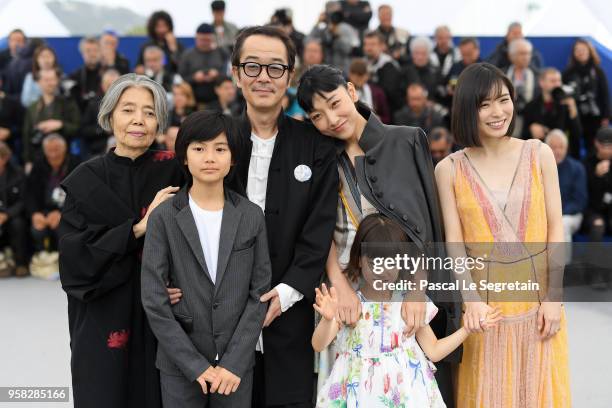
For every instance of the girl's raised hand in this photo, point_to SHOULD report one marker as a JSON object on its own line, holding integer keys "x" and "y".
{"x": 326, "y": 302}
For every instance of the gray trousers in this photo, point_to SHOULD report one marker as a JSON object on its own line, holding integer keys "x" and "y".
{"x": 178, "y": 392}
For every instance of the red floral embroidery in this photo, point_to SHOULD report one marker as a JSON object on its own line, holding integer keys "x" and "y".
{"x": 163, "y": 155}
{"x": 386, "y": 383}
{"x": 118, "y": 339}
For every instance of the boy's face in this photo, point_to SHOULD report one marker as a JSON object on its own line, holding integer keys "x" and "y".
{"x": 209, "y": 161}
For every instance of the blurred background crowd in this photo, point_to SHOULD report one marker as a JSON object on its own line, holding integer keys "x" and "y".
{"x": 48, "y": 117}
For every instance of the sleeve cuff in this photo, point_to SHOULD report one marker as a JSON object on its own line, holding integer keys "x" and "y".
{"x": 287, "y": 296}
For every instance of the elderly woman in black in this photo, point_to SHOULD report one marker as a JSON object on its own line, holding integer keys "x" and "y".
{"x": 104, "y": 220}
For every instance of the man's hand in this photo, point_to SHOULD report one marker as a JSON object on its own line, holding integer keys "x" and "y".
{"x": 538, "y": 131}
{"x": 274, "y": 308}
{"x": 225, "y": 382}
{"x": 53, "y": 219}
{"x": 39, "y": 221}
{"x": 602, "y": 168}
{"x": 175, "y": 295}
{"x": 50, "y": 125}
{"x": 199, "y": 76}
{"x": 4, "y": 133}
{"x": 210, "y": 375}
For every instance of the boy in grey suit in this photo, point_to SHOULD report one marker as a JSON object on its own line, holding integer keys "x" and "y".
{"x": 210, "y": 242}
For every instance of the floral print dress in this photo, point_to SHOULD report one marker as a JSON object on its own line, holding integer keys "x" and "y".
{"x": 377, "y": 366}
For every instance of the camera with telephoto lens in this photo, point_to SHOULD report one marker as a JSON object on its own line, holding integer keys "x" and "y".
{"x": 562, "y": 92}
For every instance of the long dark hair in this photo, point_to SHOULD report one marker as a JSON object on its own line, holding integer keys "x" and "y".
{"x": 385, "y": 237}
{"x": 593, "y": 55}
{"x": 155, "y": 17}
{"x": 320, "y": 79}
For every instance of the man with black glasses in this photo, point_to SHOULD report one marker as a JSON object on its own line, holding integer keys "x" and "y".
{"x": 289, "y": 170}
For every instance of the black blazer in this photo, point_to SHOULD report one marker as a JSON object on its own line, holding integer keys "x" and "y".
{"x": 396, "y": 175}
{"x": 300, "y": 220}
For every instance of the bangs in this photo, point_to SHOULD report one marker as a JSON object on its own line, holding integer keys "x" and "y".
{"x": 317, "y": 80}
{"x": 490, "y": 88}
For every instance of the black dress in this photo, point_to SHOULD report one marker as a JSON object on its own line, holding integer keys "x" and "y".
{"x": 113, "y": 348}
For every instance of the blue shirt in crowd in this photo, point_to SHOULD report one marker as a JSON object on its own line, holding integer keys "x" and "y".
{"x": 573, "y": 184}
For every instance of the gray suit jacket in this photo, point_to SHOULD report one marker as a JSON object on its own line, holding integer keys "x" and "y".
{"x": 223, "y": 318}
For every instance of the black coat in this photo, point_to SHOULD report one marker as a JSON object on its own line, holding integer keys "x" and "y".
{"x": 39, "y": 190}
{"x": 300, "y": 220}
{"x": 396, "y": 175}
{"x": 12, "y": 190}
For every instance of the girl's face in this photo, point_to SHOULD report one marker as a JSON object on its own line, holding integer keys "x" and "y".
{"x": 46, "y": 59}
{"x": 581, "y": 53}
{"x": 334, "y": 113}
{"x": 495, "y": 114}
{"x": 373, "y": 269}
{"x": 209, "y": 161}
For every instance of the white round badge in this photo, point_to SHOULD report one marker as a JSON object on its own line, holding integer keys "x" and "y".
{"x": 302, "y": 173}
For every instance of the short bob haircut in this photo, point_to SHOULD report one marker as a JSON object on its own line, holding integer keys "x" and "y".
{"x": 267, "y": 31}
{"x": 320, "y": 79}
{"x": 113, "y": 94}
{"x": 202, "y": 126}
{"x": 476, "y": 83}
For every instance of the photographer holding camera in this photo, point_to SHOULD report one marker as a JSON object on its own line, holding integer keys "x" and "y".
{"x": 337, "y": 37}
{"x": 52, "y": 113}
{"x": 584, "y": 74}
{"x": 555, "y": 108}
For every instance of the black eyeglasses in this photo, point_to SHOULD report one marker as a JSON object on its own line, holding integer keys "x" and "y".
{"x": 253, "y": 69}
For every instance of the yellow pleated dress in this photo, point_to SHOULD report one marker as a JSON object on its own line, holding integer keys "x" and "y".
{"x": 510, "y": 366}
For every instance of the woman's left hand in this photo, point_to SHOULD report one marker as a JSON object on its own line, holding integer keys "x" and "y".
{"x": 549, "y": 319}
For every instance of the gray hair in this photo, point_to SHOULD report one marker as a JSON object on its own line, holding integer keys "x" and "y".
{"x": 515, "y": 44}
{"x": 112, "y": 96}
{"x": 514, "y": 24}
{"x": 556, "y": 133}
{"x": 87, "y": 40}
{"x": 54, "y": 136}
{"x": 151, "y": 48}
{"x": 421, "y": 42}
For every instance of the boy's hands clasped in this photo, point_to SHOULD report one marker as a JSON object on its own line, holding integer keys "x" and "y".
{"x": 221, "y": 380}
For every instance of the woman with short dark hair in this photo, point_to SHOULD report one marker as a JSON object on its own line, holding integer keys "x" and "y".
{"x": 104, "y": 220}
{"x": 501, "y": 202}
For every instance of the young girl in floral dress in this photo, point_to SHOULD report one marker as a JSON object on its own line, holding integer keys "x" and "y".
{"x": 377, "y": 365}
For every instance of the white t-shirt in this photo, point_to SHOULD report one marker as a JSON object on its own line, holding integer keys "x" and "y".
{"x": 208, "y": 224}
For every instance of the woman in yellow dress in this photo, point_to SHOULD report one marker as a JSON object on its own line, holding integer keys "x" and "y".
{"x": 501, "y": 202}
